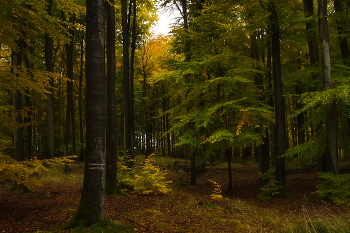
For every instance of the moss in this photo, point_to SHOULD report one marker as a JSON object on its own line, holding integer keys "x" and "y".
{"x": 19, "y": 188}
{"x": 85, "y": 217}
{"x": 113, "y": 190}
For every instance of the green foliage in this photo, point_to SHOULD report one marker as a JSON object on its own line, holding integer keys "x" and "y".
{"x": 26, "y": 172}
{"x": 271, "y": 187}
{"x": 309, "y": 151}
{"x": 151, "y": 180}
{"x": 315, "y": 107}
{"x": 335, "y": 187}
{"x": 124, "y": 174}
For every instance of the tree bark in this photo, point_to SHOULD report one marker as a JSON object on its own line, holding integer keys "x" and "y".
{"x": 111, "y": 173}
{"x": 17, "y": 101}
{"x": 331, "y": 119}
{"x": 92, "y": 200}
{"x": 126, "y": 84}
{"x": 80, "y": 100}
{"x": 280, "y": 127}
{"x": 132, "y": 74}
{"x": 49, "y": 108}
{"x": 69, "y": 124}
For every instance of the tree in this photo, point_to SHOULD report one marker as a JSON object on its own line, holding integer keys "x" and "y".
{"x": 69, "y": 123}
{"x": 49, "y": 68}
{"x": 111, "y": 172}
{"x": 17, "y": 57}
{"x": 331, "y": 118}
{"x": 128, "y": 147}
{"x": 91, "y": 208}
{"x": 280, "y": 127}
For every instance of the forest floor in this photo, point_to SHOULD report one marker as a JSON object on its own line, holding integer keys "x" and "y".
{"x": 187, "y": 208}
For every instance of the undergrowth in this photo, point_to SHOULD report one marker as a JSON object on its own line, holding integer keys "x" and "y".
{"x": 151, "y": 179}
{"x": 335, "y": 188}
{"x": 271, "y": 187}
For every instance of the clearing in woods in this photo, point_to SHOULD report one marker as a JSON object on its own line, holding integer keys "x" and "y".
{"x": 186, "y": 208}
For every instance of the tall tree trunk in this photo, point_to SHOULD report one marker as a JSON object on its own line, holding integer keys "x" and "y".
{"x": 331, "y": 119}
{"x": 280, "y": 128}
{"x": 262, "y": 151}
{"x": 49, "y": 108}
{"x": 132, "y": 74}
{"x": 17, "y": 101}
{"x": 311, "y": 26}
{"x": 91, "y": 208}
{"x": 69, "y": 124}
{"x": 80, "y": 100}
{"x": 310, "y": 30}
{"x": 126, "y": 84}
{"x": 111, "y": 173}
{"x": 343, "y": 42}
{"x": 29, "y": 118}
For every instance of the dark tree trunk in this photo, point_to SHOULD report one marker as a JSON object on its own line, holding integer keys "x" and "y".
{"x": 310, "y": 30}
{"x": 80, "y": 100}
{"x": 49, "y": 108}
{"x": 111, "y": 173}
{"x": 91, "y": 208}
{"x": 228, "y": 152}
{"x": 262, "y": 152}
{"x": 29, "y": 119}
{"x": 132, "y": 72}
{"x": 193, "y": 180}
{"x": 126, "y": 84}
{"x": 343, "y": 42}
{"x": 17, "y": 102}
{"x": 280, "y": 127}
{"x": 69, "y": 124}
{"x": 331, "y": 120}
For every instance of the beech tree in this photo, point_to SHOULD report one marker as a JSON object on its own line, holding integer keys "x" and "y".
{"x": 280, "y": 127}
{"x": 331, "y": 118}
{"x": 111, "y": 172}
{"x": 91, "y": 208}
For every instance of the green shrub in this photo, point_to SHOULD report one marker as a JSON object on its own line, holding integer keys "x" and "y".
{"x": 124, "y": 174}
{"x": 271, "y": 188}
{"x": 335, "y": 187}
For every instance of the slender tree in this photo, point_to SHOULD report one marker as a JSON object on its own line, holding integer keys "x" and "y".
{"x": 17, "y": 57}
{"x": 111, "y": 173}
{"x": 331, "y": 119}
{"x": 280, "y": 127}
{"x": 49, "y": 108}
{"x": 69, "y": 124}
{"x": 126, "y": 82}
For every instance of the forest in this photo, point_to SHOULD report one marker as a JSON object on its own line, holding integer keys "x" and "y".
{"x": 236, "y": 121}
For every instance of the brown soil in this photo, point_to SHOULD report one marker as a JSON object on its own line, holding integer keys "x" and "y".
{"x": 48, "y": 207}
